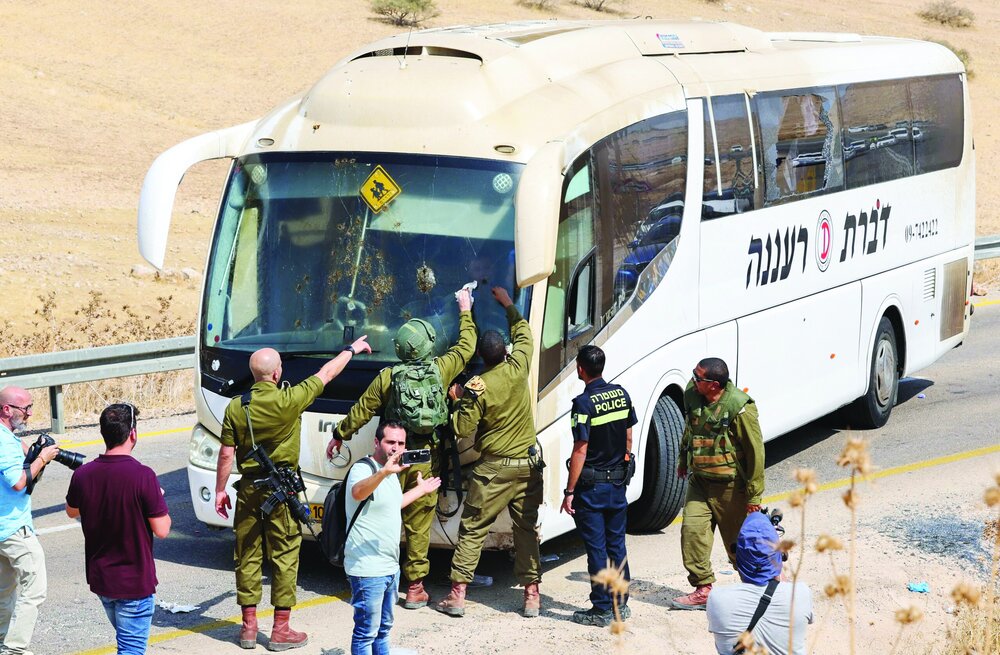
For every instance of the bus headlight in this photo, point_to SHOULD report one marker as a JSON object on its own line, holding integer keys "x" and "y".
{"x": 203, "y": 451}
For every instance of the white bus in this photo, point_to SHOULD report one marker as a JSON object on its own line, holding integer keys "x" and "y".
{"x": 800, "y": 205}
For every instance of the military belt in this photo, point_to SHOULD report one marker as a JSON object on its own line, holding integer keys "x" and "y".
{"x": 592, "y": 475}
{"x": 505, "y": 461}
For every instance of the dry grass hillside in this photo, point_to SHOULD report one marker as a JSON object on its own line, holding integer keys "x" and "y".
{"x": 93, "y": 91}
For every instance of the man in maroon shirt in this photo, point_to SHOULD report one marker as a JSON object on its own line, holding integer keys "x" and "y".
{"x": 121, "y": 506}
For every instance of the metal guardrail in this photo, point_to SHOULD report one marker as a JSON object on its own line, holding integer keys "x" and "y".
{"x": 53, "y": 370}
{"x": 988, "y": 247}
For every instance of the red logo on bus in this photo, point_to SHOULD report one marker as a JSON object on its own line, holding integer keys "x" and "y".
{"x": 824, "y": 240}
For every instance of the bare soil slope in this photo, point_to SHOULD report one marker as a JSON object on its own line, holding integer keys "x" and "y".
{"x": 93, "y": 91}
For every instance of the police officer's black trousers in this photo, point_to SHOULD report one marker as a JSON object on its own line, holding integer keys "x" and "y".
{"x": 600, "y": 519}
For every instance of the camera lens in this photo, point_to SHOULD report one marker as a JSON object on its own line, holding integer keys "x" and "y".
{"x": 70, "y": 459}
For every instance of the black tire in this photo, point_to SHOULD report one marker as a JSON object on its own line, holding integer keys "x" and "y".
{"x": 872, "y": 409}
{"x": 662, "y": 491}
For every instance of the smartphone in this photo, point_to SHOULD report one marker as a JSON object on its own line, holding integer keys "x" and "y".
{"x": 421, "y": 456}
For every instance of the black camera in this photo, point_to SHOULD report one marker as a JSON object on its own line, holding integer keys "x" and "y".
{"x": 65, "y": 457}
{"x": 421, "y": 456}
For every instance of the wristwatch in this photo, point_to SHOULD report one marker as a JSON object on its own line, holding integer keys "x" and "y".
{"x": 568, "y": 492}
{"x": 349, "y": 349}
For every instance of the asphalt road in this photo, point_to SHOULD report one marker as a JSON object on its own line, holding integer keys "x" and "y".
{"x": 959, "y": 397}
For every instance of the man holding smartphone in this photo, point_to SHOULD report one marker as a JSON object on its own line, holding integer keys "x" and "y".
{"x": 371, "y": 553}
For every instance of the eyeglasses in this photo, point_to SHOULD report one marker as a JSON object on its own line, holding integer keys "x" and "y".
{"x": 699, "y": 379}
{"x": 26, "y": 409}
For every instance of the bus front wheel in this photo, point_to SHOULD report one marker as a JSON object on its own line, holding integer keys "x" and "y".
{"x": 662, "y": 491}
{"x": 872, "y": 409}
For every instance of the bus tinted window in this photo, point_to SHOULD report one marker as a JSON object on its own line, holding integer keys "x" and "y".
{"x": 800, "y": 143}
{"x": 575, "y": 240}
{"x": 642, "y": 175}
{"x": 938, "y": 122}
{"x": 877, "y": 137}
{"x": 729, "y": 187}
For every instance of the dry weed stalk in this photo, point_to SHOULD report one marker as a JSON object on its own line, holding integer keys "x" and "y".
{"x": 905, "y": 616}
{"x": 96, "y": 323}
{"x": 806, "y": 478}
{"x": 613, "y": 579}
{"x": 992, "y": 499}
{"x": 856, "y": 458}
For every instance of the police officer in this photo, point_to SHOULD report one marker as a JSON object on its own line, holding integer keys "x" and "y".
{"x": 414, "y": 346}
{"x": 722, "y": 452}
{"x": 275, "y": 417}
{"x": 601, "y": 419}
{"x": 496, "y": 408}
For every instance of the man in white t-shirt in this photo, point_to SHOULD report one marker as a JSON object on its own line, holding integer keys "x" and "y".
{"x": 371, "y": 553}
{"x": 731, "y": 608}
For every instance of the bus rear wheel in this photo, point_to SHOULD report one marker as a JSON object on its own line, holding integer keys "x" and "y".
{"x": 662, "y": 491}
{"x": 872, "y": 409}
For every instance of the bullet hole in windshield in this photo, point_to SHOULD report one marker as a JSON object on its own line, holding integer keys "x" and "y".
{"x": 425, "y": 278}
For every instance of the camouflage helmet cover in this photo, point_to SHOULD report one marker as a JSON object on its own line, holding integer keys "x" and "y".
{"x": 415, "y": 340}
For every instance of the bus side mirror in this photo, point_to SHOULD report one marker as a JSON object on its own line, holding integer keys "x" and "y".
{"x": 156, "y": 201}
{"x": 536, "y": 218}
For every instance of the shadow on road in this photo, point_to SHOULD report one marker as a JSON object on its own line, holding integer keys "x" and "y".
{"x": 804, "y": 438}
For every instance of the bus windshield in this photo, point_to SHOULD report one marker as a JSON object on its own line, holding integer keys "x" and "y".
{"x": 313, "y": 250}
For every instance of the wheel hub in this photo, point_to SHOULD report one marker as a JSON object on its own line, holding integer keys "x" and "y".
{"x": 885, "y": 372}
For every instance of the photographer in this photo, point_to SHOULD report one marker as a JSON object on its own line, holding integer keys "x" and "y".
{"x": 121, "y": 506}
{"x": 371, "y": 554}
{"x": 268, "y": 416}
{"x": 22, "y": 562}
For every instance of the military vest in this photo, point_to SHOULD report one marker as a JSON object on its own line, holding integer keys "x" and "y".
{"x": 711, "y": 451}
{"x": 417, "y": 397}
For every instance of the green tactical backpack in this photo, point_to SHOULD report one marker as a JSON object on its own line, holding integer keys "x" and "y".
{"x": 417, "y": 397}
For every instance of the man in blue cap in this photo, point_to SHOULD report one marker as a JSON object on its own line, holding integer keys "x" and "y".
{"x": 761, "y": 604}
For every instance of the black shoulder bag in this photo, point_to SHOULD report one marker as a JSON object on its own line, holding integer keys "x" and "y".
{"x": 765, "y": 600}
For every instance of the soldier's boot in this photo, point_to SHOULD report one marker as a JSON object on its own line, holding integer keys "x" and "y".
{"x": 248, "y": 632}
{"x": 416, "y": 597}
{"x": 454, "y": 603}
{"x": 696, "y": 600}
{"x": 282, "y": 635}
{"x": 532, "y": 601}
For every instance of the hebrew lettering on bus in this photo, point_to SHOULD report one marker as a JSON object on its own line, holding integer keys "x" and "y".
{"x": 780, "y": 255}
{"x": 853, "y": 226}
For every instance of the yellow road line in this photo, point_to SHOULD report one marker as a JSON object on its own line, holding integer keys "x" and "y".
{"x": 885, "y": 473}
{"x": 94, "y": 442}
{"x": 983, "y": 303}
{"x": 231, "y": 621}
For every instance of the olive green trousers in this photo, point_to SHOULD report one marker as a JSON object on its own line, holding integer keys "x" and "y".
{"x": 495, "y": 485}
{"x": 709, "y": 504}
{"x": 418, "y": 516}
{"x": 284, "y": 536}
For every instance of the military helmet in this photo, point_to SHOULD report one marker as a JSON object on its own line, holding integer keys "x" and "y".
{"x": 415, "y": 340}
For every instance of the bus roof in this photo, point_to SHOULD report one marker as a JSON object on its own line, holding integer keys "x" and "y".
{"x": 504, "y": 90}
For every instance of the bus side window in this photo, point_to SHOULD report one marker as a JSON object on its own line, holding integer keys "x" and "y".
{"x": 938, "y": 122}
{"x": 729, "y": 184}
{"x": 800, "y": 143}
{"x": 574, "y": 243}
{"x": 641, "y": 175}
{"x": 877, "y": 132}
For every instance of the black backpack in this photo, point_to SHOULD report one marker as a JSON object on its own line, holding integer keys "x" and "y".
{"x": 335, "y": 529}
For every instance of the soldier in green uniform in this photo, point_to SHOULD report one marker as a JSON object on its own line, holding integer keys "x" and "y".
{"x": 722, "y": 452}
{"x": 496, "y": 408}
{"x": 414, "y": 393}
{"x": 275, "y": 416}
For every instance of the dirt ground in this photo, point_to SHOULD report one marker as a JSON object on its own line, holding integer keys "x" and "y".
{"x": 94, "y": 90}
